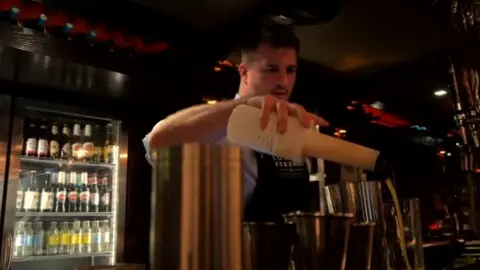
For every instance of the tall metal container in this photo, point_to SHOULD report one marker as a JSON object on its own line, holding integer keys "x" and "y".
{"x": 197, "y": 208}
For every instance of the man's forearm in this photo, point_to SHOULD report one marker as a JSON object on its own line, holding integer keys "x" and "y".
{"x": 201, "y": 123}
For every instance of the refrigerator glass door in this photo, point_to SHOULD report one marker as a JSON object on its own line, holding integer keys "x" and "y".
{"x": 5, "y": 120}
{"x": 68, "y": 177}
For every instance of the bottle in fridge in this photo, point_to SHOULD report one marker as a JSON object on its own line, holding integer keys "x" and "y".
{"x": 65, "y": 189}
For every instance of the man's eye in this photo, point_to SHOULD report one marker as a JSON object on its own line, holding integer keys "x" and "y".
{"x": 272, "y": 70}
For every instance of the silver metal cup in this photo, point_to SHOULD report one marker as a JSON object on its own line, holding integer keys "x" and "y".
{"x": 268, "y": 245}
{"x": 322, "y": 240}
{"x": 197, "y": 208}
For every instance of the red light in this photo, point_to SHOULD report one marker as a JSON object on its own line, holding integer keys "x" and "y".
{"x": 55, "y": 19}
{"x": 80, "y": 26}
{"x": 30, "y": 11}
{"x": 386, "y": 119}
{"x": 437, "y": 225}
{"x": 121, "y": 40}
{"x": 158, "y": 47}
{"x": 102, "y": 33}
{"x": 6, "y": 5}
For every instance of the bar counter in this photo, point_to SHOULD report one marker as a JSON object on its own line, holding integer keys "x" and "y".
{"x": 446, "y": 255}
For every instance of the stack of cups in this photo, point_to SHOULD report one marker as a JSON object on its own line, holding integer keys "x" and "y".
{"x": 367, "y": 233}
{"x": 350, "y": 235}
{"x": 313, "y": 241}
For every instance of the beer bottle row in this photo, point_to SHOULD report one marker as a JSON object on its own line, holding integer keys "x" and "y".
{"x": 63, "y": 238}
{"x": 91, "y": 194}
{"x": 90, "y": 144}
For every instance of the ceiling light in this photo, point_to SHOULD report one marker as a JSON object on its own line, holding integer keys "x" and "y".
{"x": 440, "y": 93}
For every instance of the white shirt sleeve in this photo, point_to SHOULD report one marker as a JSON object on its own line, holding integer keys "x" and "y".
{"x": 148, "y": 150}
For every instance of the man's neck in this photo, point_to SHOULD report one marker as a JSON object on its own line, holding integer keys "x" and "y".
{"x": 242, "y": 90}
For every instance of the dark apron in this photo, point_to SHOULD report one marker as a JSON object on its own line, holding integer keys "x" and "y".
{"x": 282, "y": 187}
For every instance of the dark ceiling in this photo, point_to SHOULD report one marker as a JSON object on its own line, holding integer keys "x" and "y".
{"x": 401, "y": 45}
{"x": 365, "y": 35}
{"x": 393, "y": 51}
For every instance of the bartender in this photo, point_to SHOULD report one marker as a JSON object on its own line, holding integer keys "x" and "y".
{"x": 272, "y": 186}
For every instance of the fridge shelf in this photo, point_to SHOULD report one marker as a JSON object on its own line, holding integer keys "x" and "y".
{"x": 57, "y": 214}
{"x": 59, "y": 257}
{"x": 63, "y": 163}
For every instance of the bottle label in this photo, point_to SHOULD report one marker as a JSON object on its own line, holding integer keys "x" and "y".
{"x": 86, "y": 238}
{"x": 96, "y": 238}
{"x": 92, "y": 179}
{"x": 28, "y": 240}
{"x": 106, "y": 237}
{"x": 103, "y": 180}
{"x": 61, "y": 196}
{"x": 19, "y": 240}
{"x": 19, "y": 201}
{"x": 89, "y": 149}
{"x": 31, "y": 146}
{"x": 73, "y": 196}
{"x": 65, "y": 238}
{"x": 54, "y": 148}
{"x": 53, "y": 240}
{"x": 46, "y": 201}
{"x": 84, "y": 196}
{"x": 31, "y": 200}
{"x": 75, "y": 239}
{"x": 76, "y": 147}
{"x": 38, "y": 240}
{"x": 94, "y": 198}
{"x": 66, "y": 150}
{"x": 106, "y": 198}
{"x": 42, "y": 149}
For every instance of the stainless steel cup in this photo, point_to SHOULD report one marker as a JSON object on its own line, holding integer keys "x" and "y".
{"x": 367, "y": 235}
{"x": 197, "y": 208}
{"x": 322, "y": 240}
{"x": 268, "y": 245}
{"x": 360, "y": 247}
{"x": 122, "y": 266}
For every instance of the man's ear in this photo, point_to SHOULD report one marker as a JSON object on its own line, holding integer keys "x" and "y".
{"x": 243, "y": 71}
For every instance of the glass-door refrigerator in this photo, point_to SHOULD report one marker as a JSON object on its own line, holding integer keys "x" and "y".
{"x": 63, "y": 173}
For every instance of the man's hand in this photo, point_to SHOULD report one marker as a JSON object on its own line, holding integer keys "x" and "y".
{"x": 271, "y": 104}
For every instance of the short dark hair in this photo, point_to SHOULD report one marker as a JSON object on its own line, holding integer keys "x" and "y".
{"x": 277, "y": 36}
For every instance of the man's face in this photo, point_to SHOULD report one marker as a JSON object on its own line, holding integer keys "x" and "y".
{"x": 270, "y": 71}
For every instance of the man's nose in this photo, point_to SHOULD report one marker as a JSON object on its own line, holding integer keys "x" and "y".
{"x": 283, "y": 78}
